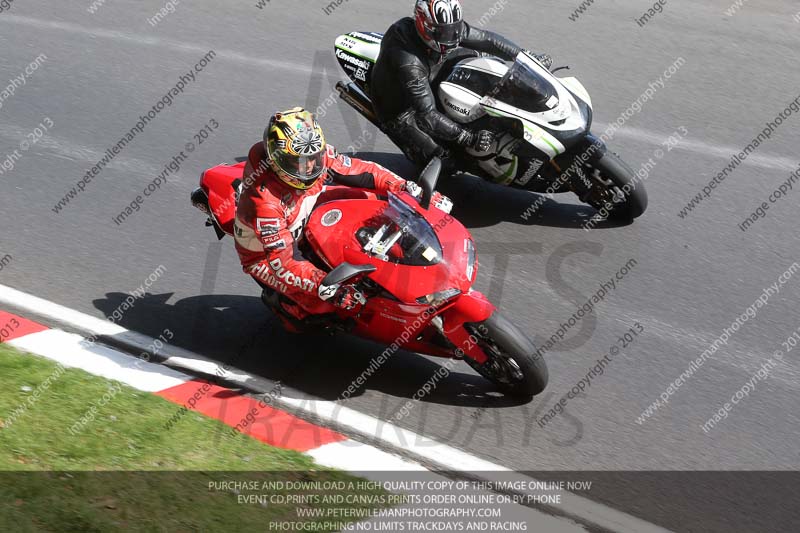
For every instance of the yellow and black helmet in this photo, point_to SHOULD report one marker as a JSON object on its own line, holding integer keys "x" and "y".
{"x": 295, "y": 147}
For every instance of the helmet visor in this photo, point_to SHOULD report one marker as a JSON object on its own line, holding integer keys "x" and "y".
{"x": 305, "y": 168}
{"x": 449, "y": 35}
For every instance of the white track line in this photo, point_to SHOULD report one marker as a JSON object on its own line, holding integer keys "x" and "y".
{"x": 432, "y": 454}
{"x": 58, "y": 313}
{"x": 756, "y": 160}
{"x": 765, "y": 160}
{"x": 71, "y": 350}
{"x": 149, "y": 40}
{"x": 91, "y": 326}
{"x": 77, "y": 152}
{"x": 355, "y": 456}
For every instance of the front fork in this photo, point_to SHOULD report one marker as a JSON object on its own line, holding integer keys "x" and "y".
{"x": 468, "y": 308}
{"x": 570, "y": 167}
{"x": 587, "y": 150}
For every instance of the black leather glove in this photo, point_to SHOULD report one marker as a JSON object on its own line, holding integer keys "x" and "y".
{"x": 480, "y": 141}
{"x": 544, "y": 59}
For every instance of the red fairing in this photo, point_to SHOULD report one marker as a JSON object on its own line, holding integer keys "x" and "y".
{"x": 332, "y": 230}
{"x": 472, "y": 307}
{"x": 337, "y": 243}
{"x": 218, "y": 184}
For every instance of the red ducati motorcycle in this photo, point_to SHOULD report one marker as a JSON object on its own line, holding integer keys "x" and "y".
{"x": 413, "y": 266}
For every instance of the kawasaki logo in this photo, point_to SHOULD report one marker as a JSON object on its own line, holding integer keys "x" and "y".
{"x": 347, "y": 58}
{"x": 531, "y": 172}
{"x": 462, "y": 110}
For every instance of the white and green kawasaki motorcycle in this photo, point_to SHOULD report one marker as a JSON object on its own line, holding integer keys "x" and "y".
{"x": 542, "y": 125}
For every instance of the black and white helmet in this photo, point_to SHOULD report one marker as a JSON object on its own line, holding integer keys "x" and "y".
{"x": 440, "y": 23}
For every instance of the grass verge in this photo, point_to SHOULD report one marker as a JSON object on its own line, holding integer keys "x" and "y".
{"x": 124, "y": 470}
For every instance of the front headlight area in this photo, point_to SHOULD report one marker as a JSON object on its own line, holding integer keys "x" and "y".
{"x": 471, "y": 258}
{"x": 438, "y": 298}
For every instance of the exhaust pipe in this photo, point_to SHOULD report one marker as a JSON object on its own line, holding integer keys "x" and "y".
{"x": 359, "y": 101}
{"x": 200, "y": 201}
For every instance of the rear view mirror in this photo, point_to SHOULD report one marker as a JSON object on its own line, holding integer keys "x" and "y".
{"x": 339, "y": 275}
{"x": 428, "y": 180}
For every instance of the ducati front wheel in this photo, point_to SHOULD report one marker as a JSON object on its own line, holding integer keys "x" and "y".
{"x": 513, "y": 364}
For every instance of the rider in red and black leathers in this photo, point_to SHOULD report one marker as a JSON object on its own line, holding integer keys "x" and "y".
{"x": 271, "y": 214}
{"x": 413, "y": 51}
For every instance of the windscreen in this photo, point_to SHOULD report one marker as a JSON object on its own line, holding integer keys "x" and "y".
{"x": 526, "y": 89}
{"x": 400, "y": 235}
{"x": 477, "y": 81}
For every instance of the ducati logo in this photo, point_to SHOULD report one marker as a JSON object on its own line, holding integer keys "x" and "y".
{"x": 331, "y": 218}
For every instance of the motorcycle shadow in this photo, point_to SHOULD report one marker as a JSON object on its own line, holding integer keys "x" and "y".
{"x": 239, "y": 331}
{"x": 478, "y": 203}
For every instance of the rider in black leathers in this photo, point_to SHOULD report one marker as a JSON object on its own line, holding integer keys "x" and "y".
{"x": 413, "y": 53}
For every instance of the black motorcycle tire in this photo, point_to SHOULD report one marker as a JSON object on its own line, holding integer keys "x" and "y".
{"x": 512, "y": 348}
{"x": 621, "y": 175}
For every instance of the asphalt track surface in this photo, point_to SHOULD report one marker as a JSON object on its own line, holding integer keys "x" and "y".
{"x": 693, "y": 276}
